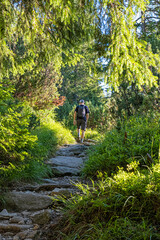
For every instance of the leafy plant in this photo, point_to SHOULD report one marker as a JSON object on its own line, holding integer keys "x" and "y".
{"x": 27, "y": 138}
{"x": 14, "y": 134}
{"x": 137, "y": 138}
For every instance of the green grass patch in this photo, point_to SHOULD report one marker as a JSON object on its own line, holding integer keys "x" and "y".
{"x": 47, "y": 137}
{"x": 30, "y": 171}
{"x": 136, "y": 139}
{"x": 50, "y": 135}
{"x": 125, "y": 206}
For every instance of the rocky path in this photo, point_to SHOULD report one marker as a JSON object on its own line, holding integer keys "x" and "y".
{"x": 28, "y": 207}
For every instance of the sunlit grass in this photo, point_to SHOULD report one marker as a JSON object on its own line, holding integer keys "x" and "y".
{"x": 125, "y": 206}
{"x": 50, "y": 135}
{"x": 90, "y": 134}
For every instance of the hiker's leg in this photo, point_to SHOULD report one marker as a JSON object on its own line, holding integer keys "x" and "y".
{"x": 84, "y": 125}
{"x": 82, "y": 135}
{"x": 78, "y": 128}
{"x": 78, "y": 132}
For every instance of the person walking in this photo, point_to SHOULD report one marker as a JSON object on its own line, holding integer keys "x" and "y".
{"x": 81, "y": 115}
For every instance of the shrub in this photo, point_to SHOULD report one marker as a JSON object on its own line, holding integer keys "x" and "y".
{"x": 15, "y": 138}
{"x": 23, "y": 152}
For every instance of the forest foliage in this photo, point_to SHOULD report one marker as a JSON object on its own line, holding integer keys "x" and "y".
{"x": 54, "y": 53}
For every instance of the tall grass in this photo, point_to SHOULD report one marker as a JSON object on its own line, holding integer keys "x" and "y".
{"x": 137, "y": 139}
{"x": 125, "y": 206}
{"x": 50, "y": 135}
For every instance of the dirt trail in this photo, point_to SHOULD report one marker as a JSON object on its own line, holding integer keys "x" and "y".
{"x": 28, "y": 207}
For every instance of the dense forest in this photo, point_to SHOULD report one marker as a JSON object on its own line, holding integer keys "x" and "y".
{"x": 54, "y": 53}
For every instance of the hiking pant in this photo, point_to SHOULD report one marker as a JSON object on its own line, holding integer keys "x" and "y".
{"x": 81, "y": 123}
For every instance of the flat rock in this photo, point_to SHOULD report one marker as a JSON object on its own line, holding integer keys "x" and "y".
{"x": 82, "y": 155}
{"x": 71, "y": 150}
{"x": 88, "y": 144}
{"x": 24, "y": 186}
{"x": 16, "y": 219}
{"x": 72, "y": 162}
{"x": 59, "y": 183}
{"x": 27, "y": 234}
{"x": 41, "y": 217}
{"x": 63, "y": 192}
{"x": 27, "y": 200}
{"x": 31, "y": 235}
{"x": 22, "y": 235}
{"x": 9, "y": 234}
{"x": 13, "y": 227}
{"x": 5, "y": 215}
{"x": 62, "y": 171}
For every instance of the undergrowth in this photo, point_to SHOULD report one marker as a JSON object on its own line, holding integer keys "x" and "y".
{"x": 125, "y": 206}
{"x": 50, "y": 135}
{"x": 43, "y": 136}
{"x": 123, "y": 201}
{"x": 136, "y": 139}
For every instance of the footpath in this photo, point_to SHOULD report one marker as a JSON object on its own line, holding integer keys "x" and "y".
{"x": 29, "y": 207}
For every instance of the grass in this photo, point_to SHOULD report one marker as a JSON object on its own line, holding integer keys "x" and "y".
{"x": 124, "y": 206}
{"x": 28, "y": 172}
{"x": 136, "y": 139}
{"x": 123, "y": 202}
{"x": 50, "y": 135}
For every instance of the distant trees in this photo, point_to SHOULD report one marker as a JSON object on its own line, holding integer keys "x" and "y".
{"x": 82, "y": 80}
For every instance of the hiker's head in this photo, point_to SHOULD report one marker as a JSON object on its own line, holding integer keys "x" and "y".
{"x": 81, "y": 102}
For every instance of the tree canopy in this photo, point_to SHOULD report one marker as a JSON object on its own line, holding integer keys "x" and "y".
{"x": 54, "y": 31}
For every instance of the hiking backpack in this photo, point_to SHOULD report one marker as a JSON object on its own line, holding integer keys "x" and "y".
{"x": 81, "y": 111}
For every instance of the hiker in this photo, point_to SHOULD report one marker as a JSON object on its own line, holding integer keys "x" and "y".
{"x": 81, "y": 116}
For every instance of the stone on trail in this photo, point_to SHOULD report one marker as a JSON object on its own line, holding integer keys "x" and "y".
{"x": 13, "y": 227}
{"x": 29, "y": 234}
{"x": 53, "y": 185}
{"x": 71, "y": 150}
{"x": 41, "y": 217}
{"x": 62, "y": 165}
{"x": 27, "y": 200}
{"x": 63, "y": 192}
{"x": 17, "y": 219}
{"x": 72, "y": 162}
{"x": 5, "y": 215}
{"x": 62, "y": 171}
